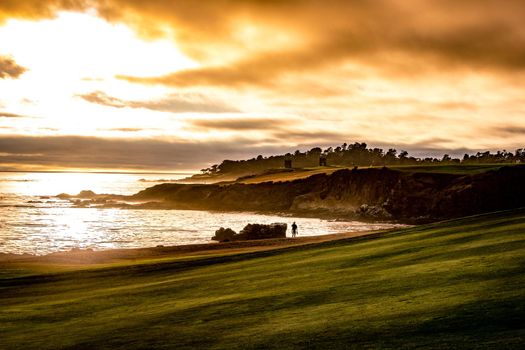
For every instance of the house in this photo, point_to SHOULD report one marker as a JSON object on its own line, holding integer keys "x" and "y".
{"x": 323, "y": 160}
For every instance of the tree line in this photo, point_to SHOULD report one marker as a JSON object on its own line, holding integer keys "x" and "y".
{"x": 356, "y": 154}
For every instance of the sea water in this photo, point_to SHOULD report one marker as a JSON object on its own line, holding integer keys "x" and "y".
{"x": 33, "y": 220}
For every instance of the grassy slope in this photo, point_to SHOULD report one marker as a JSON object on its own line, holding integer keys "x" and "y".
{"x": 456, "y": 284}
{"x": 447, "y": 169}
{"x": 452, "y": 169}
{"x": 290, "y": 176}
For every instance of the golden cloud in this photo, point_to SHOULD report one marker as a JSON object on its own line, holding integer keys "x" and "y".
{"x": 174, "y": 103}
{"x": 390, "y": 36}
{"x": 10, "y": 69}
{"x": 240, "y": 124}
{"x": 255, "y": 41}
{"x": 37, "y": 9}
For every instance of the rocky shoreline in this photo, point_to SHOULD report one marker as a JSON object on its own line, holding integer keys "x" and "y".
{"x": 89, "y": 256}
{"x": 376, "y": 194}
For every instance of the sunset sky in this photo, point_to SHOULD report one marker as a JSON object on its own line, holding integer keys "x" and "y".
{"x": 178, "y": 85}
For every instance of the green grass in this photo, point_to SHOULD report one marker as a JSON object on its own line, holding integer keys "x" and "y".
{"x": 459, "y": 169}
{"x": 452, "y": 169}
{"x": 457, "y": 284}
{"x": 298, "y": 173}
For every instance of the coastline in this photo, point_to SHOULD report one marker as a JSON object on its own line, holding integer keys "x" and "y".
{"x": 368, "y": 195}
{"x": 80, "y": 257}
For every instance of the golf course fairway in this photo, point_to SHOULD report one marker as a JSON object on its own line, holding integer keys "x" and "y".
{"x": 454, "y": 284}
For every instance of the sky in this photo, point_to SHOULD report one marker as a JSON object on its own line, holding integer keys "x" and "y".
{"x": 173, "y": 85}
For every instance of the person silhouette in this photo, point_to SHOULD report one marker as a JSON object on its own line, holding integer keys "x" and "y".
{"x": 294, "y": 229}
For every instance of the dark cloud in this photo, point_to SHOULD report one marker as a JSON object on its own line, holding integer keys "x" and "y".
{"x": 324, "y": 137}
{"x": 174, "y": 103}
{"x": 10, "y": 69}
{"x": 17, "y": 152}
{"x": 148, "y": 154}
{"x": 240, "y": 124}
{"x": 510, "y": 130}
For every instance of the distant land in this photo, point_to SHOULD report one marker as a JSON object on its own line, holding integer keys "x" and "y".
{"x": 344, "y": 183}
{"x": 344, "y": 156}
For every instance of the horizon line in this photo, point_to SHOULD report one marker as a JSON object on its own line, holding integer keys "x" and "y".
{"x": 97, "y": 172}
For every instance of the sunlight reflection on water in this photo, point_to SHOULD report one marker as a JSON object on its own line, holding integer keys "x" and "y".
{"x": 33, "y": 224}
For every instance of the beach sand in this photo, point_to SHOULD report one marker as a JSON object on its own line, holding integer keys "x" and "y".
{"x": 78, "y": 257}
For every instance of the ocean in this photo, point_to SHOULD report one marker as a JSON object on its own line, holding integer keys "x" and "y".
{"x": 34, "y": 221}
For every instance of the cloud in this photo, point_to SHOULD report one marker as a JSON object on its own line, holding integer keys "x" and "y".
{"x": 235, "y": 124}
{"x": 311, "y": 137}
{"x": 106, "y": 153}
{"x": 510, "y": 130}
{"x": 453, "y": 68}
{"x": 482, "y": 35}
{"x": 38, "y": 9}
{"x": 125, "y": 129}
{"x": 265, "y": 40}
{"x": 101, "y": 98}
{"x": 10, "y": 69}
{"x": 174, "y": 103}
{"x": 11, "y": 115}
{"x": 454, "y": 105}
{"x": 55, "y": 152}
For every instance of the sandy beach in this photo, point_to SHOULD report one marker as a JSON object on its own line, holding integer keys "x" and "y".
{"x": 90, "y": 257}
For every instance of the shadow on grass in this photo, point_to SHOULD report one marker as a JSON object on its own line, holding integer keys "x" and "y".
{"x": 166, "y": 267}
{"x": 470, "y": 326}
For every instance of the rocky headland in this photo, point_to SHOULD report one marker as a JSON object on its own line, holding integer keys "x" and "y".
{"x": 364, "y": 194}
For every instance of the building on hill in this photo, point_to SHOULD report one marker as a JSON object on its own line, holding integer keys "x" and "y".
{"x": 323, "y": 160}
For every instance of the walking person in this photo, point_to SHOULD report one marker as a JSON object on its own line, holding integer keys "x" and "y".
{"x": 294, "y": 229}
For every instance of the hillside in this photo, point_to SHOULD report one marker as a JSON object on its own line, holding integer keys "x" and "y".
{"x": 349, "y": 156}
{"x": 280, "y": 174}
{"x": 456, "y": 284}
{"x": 372, "y": 193}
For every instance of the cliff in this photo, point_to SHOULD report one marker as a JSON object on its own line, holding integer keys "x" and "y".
{"x": 366, "y": 193}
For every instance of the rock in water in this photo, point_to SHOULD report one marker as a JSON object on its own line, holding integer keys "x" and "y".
{"x": 250, "y": 232}
{"x": 258, "y": 231}
{"x": 224, "y": 235}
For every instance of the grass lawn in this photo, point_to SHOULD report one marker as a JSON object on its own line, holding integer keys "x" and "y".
{"x": 459, "y": 169}
{"x": 442, "y": 169}
{"x": 456, "y": 284}
{"x": 290, "y": 176}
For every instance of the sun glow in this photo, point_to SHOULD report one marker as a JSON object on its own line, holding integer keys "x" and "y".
{"x": 74, "y": 46}
{"x": 75, "y": 54}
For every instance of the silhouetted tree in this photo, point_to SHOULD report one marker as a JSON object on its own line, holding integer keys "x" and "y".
{"x": 356, "y": 154}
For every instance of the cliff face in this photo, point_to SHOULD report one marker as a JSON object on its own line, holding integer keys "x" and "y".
{"x": 367, "y": 193}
